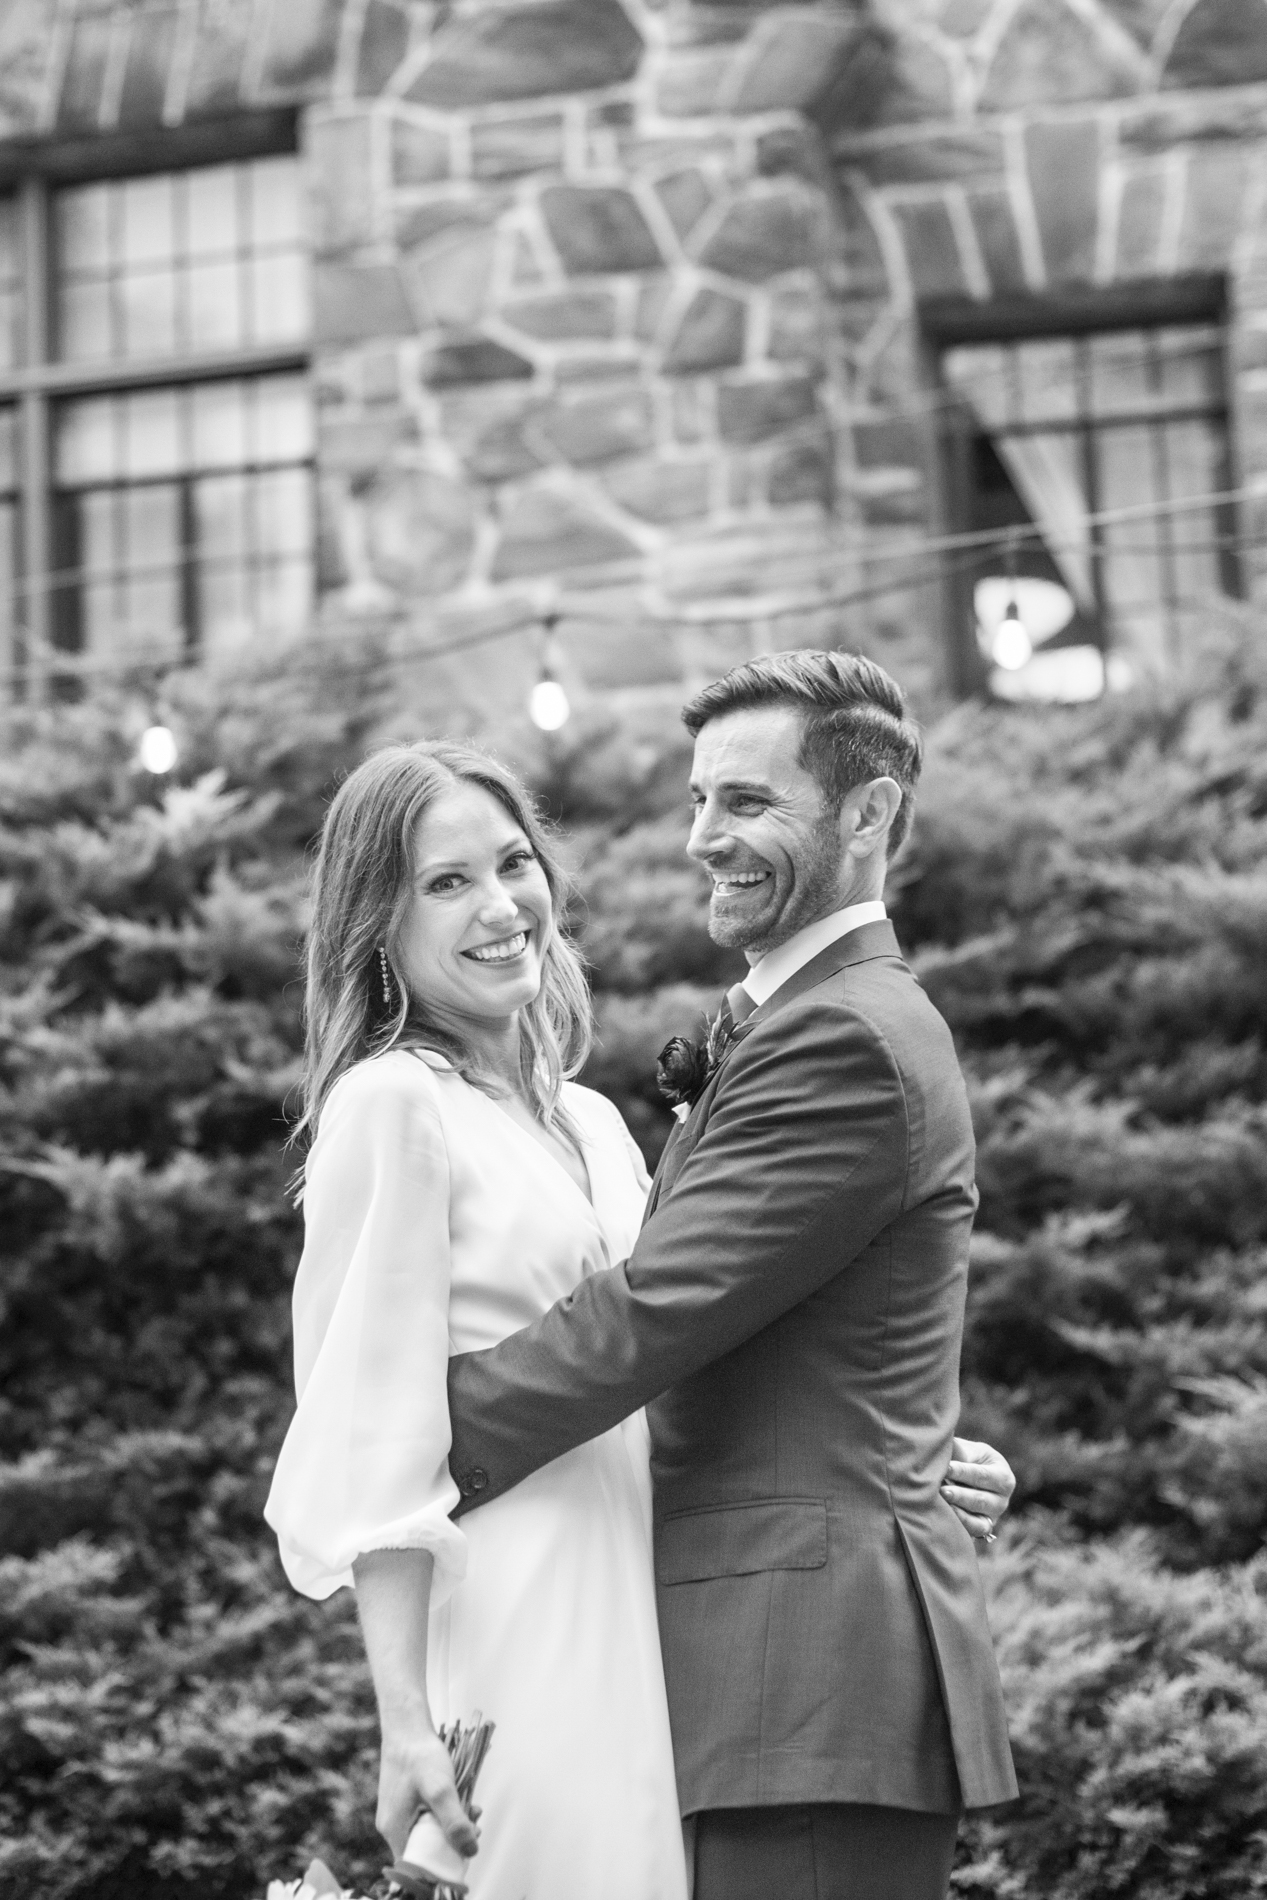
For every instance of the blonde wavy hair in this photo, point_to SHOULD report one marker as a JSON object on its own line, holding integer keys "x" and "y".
{"x": 362, "y": 889}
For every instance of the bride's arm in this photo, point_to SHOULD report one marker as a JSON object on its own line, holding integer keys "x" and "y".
{"x": 362, "y": 1492}
{"x": 364, "y": 1466}
{"x": 393, "y": 1592}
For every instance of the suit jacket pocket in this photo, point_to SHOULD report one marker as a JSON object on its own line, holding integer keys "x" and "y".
{"x": 735, "y": 1540}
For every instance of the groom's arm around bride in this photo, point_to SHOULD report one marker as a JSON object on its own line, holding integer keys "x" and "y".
{"x": 792, "y": 1315}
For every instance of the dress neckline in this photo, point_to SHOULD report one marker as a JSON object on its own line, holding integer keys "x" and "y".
{"x": 551, "y": 1157}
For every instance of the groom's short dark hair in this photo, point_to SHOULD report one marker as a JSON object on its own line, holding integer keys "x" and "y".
{"x": 855, "y": 723}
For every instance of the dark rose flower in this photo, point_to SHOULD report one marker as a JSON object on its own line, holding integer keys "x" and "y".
{"x": 681, "y": 1070}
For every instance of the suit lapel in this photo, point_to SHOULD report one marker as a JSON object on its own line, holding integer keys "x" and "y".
{"x": 863, "y": 945}
{"x": 857, "y": 946}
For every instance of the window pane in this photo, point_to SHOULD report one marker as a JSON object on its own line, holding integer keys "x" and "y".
{"x": 99, "y": 547}
{"x": 980, "y": 376}
{"x": 152, "y": 531}
{"x": 8, "y": 448}
{"x": 275, "y": 203}
{"x": 1193, "y": 452}
{"x": 225, "y": 620}
{"x": 279, "y": 299}
{"x": 85, "y": 447}
{"x": 8, "y": 575}
{"x": 220, "y": 521}
{"x": 219, "y": 420}
{"x": 1133, "y": 579}
{"x": 1189, "y": 364}
{"x": 9, "y": 302}
{"x": 9, "y": 337}
{"x": 1123, "y": 378}
{"x": 84, "y": 321}
{"x": 149, "y": 313}
{"x": 1047, "y": 381}
{"x": 223, "y": 596}
{"x": 148, "y": 236}
{"x": 283, "y": 511}
{"x": 214, "y": 305}
{"x": 81, "y": 229}
{"x": 283, "y": 419}
{"x": 211, "y": 214}
{"x": 153, "y": 433}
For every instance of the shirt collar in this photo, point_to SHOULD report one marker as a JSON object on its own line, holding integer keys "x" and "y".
{"x": 764, "y": 978}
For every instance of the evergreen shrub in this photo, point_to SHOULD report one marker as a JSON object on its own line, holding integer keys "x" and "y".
{"x": 1085, "y": 898}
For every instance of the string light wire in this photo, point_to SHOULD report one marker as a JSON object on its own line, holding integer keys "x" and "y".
{"x": 748, "y": 609}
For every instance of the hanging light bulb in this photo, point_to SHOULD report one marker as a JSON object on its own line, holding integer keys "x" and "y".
{"x": 548, "y": 706}
{"x": 1012, "y": 647}
{"x": 157, "y": 752}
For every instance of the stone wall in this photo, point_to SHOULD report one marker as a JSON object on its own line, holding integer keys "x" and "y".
{"x": 576, "y": 296}
{"x": 616, "y": 301}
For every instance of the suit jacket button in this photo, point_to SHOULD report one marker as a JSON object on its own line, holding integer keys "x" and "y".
{"x": 478, "y": 1481}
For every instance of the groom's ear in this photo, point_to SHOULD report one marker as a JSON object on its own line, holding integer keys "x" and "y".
{"x": 867, "y": 815}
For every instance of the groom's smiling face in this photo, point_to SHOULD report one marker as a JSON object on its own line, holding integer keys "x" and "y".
{"x": 762, "y": 830}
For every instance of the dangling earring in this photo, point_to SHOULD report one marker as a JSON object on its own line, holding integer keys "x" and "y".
{"x": 387, "y": 983}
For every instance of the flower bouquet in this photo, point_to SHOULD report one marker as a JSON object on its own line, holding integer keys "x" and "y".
{"x": 428, "y": 1869}
{"x": 317, "y": 1884}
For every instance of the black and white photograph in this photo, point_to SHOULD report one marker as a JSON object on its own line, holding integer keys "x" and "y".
{"x": 633, "y": 949}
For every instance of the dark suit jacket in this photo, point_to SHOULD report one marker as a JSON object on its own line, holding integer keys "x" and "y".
{"x": 793, "y": 1311}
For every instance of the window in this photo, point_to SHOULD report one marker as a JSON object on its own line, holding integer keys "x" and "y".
{"x": 184, "y": 515}
{"x": 198, "y": 260}
{"x": 156, "y": 434}
{"x": 1096, "y": 467}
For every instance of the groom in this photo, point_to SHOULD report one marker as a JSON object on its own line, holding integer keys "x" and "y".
{"x": 791, "y": 1315}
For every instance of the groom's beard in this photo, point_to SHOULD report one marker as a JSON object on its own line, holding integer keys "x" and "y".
{"x": 814, "y": 892}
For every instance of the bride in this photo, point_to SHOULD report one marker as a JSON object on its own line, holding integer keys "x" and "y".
{"x": 457, "y": 1185}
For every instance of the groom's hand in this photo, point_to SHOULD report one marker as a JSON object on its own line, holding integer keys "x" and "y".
{"x": 978, "y": 1485}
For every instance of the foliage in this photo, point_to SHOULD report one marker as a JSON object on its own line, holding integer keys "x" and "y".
{"x": 1137, "y": 1701}
{"x": 1086, "y": 901}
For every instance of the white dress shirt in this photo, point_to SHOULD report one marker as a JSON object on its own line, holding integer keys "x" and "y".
{"x": 774, "y": 969}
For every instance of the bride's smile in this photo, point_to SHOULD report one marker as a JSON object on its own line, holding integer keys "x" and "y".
{"x": 504, "y": 951}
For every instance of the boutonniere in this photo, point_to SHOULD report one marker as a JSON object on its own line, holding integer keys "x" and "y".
{"x": 684, "y": 1068}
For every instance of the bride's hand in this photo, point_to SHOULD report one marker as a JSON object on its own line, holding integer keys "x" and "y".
{"x": 978, "y": 1486}
{"x": 415, "y": 1771}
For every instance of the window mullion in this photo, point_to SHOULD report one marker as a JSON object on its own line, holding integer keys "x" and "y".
{"x": 32, "y": 627}
{"x": 189, "y": 604}
{"x": 1090, "y": 451}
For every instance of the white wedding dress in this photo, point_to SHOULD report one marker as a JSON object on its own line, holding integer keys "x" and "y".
{"x": 435, "y": 1224}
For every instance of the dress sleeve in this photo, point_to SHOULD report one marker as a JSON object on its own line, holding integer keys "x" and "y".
{"x": 364, "y": 1465}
